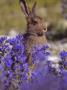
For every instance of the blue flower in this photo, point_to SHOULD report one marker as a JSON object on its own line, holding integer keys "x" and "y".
{"x": 25, "y": 66}
{"x": 2, "y": 39}
{"x": 20, "y": 37}
{"x": 63, "y": 56}
{"x": 39, "y": 53}
{"x": 64, "y": 80}
{"x": 11, "y": 41}
{"x": 7, "y": 61}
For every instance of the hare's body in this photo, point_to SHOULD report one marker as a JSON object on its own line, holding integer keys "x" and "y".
{"x": 35, "y": 30}
{"x": 30, "y": 42}
{"x": 34, "y": 40}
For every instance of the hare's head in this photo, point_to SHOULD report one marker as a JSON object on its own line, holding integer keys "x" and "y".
{"x": 35, "y": 24}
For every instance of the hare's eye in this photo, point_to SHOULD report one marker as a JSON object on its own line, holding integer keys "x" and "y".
{"x": 34, "y": 22}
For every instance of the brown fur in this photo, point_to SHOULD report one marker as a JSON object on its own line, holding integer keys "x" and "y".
{"x": 35, "y": 29}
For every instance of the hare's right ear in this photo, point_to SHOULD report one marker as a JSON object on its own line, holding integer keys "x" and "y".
{"x": 34, "y": 8}
{"x": 24, "y": 8}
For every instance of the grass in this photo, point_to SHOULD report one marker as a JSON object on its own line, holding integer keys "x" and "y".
{"x": 12, "y": 17}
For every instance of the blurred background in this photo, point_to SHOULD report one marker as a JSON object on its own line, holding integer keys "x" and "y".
{"x": 12, "y": 19}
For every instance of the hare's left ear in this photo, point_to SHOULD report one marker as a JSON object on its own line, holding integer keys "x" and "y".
{"x": 34, "y": 8}
{"x": 24, "y": 7}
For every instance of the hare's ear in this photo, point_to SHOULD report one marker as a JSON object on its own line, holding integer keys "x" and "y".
{"x": 24, "y": 8}
{"x": 34, "y": 8}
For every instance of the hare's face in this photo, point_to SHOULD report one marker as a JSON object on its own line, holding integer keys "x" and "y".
{"x": 36, "y": 25}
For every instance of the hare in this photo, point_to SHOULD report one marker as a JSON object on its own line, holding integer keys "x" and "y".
{"x": 35, "y": 29}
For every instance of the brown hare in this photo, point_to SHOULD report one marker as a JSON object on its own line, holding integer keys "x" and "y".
{"x": 35, "y": 29}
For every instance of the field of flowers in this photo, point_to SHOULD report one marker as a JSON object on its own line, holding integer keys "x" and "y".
{"x": 49, "y": 72}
